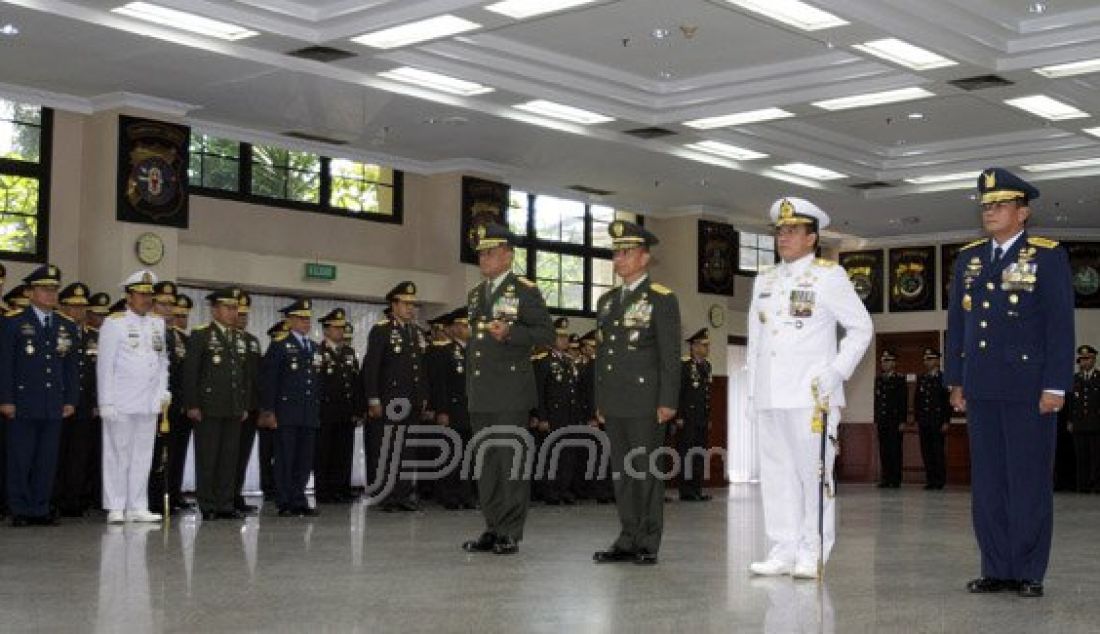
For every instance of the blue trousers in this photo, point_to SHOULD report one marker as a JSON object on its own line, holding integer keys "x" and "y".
{"x": 33, "y": 444}
{"x": 294, "y": 447}
{"x": 1012, "y": 490}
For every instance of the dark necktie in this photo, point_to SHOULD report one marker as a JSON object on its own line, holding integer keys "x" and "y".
{"x": 46, "y": 322}
{"x": 997, "y": 253}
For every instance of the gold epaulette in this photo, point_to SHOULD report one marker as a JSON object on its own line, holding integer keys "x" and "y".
{"x": 382, "y": 322}
{"x": 64, "y": 316}
{"x": 202, "y": 327}
{"x": 660, "y": 289}
{"x": 539, "y": 356}
{"x": 117, "y": 315}
{"x": 686, "y": 358}
{"x": 1042, "y": 243}
{"x": 822, "y": 262}
{"x": 526, "y": 281}
{"x": 13, "y": 312}
{"x": 974, "y": 244}
{"x": 280, "y": 336}
{"x": 441, "y": 342}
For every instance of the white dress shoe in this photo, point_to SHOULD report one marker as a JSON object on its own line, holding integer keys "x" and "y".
{"x": 805, "y": 571}
{"x": 143, "y": 516}
{"x": 116, "y": 517}
{"x": 770, "y": 568}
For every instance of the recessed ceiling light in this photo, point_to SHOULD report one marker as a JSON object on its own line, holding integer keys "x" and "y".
{"x": 9, "y": 29}
{"x": 1038, "y": 8}
{"x": 435, "y": 81}
{"x": 915, "y": 116}
{"x": 1062, "y": 165}
{"x": 874, "y": 98}
{"x": 177, "y": 19}
{"x": 726, "y": 150}
{"x": 901, "y": 52}
{"x": 1047, "y": 108}
{"x": 941, "y": 178}
{"x": 793, "y": 12}
{"x": 563, "y": 112}
{"x": 1082, "y": 67}
{"x": 739, "y": 118}
{"x": 415, "y": 32}
{"x": 810, "y": 171}
{"x": 1092, "y": 131}
{"x": 523, "y": 9}
{"x": 660, "y": 33}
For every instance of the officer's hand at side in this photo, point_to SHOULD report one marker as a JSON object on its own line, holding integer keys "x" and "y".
{"x": 499, "y": 329}
{"x": 443, "y": 419}
{"x": 67, "y": 411}
{"x": 244, "y": 416}
{"x": 593, "y": 423}
{"x": 665, "y": 414}
{"x": 195, "y": 414}
{"x": 267, "y": 420}
{"x": 1050, "y": 403}
{"x": 7, "y": 410}
{"x": 958, "y": 401}
{"x": 829, "y": 381}
{"x": 544, "y": 426}
{"x": 374, "y": 411}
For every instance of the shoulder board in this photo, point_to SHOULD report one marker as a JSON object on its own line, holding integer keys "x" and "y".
{"x": 116, "y": 315}
{"x": 64, "y": 316}
{"x": 179, "y": 330}
{"x": 441, "y": 342}
{"x": 525, "y": 281}
{"x": 156, "y": 316}
{"x": 1042, "y": 243}
{"x": 686, "y": 358}
{"x": 13, "y": 312}
{"x": 974, "y": 244}
{"x": 382, "y": 322}
{"x": 280, "y": 336}
{"x": 660, "y": 289}
{"x": 540, "y": 356}
{"x": 822, "y": 262}
{"x": 205, "y": 326}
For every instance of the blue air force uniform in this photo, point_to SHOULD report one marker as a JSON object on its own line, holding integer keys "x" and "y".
{"x": 1009, "y": 339}
{"x": 39, "y": 376}
{"x": 289, "y": 389}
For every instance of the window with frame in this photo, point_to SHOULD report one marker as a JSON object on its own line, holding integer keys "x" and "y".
{"x": 25, "y": 149}
{"x": 755, "y": 251}
{"x": 566, "y": 249}
{"x": 275, "y": 176}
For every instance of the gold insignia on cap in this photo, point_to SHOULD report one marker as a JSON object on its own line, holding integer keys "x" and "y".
{"x": 481, "y": 230}
{"x": 52, "y": 270}
{"x": 147, "y": 277}
{"x": 306, "y": 303}
{"x": 78, "y": 291}
{"x": 410, "y": 289}
{"x": 990, "y": 179}
{"x": 168, "y": 288}
{"x": 236, "y": 293}
{"x": 339, "y": 314}
{"x": 617, "y": 228}
{"x": 786, "y": 209}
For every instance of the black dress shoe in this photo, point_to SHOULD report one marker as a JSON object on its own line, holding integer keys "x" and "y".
{"x": 569, "y": 500}
{"x": 613, "y": 556}
{"x": 71, "y": 512}
{"x": 469, "y": 506}
{"x": 482, "y": 544}
{"x": 408, "y": 505}
{"x": 605, "y": 500}
{"x": 987, "y": 585}
{"x": 1030, "y": 589}
{"x": 305, "y": 511}
{"x": 689, "y": 497}
{"x": 180, "y": 504}
{"x": 44, "y": 520}
{"x": 230, "y": 515}
{"x": 209, "y": 516}
{"x": 553, "y": 502}
{"x": 19, "y": 521}
{"x": 246, "y": 509}
{"x": 452, "y": 506}
{"x": 645, "y": 558}
{"x": 505, "y": 546}
{"x": 288, "y": 512}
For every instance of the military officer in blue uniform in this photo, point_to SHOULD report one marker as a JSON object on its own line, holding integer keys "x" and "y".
{"x": 693, "y": 418}
{"x": 637, "y": 389}
{"x": 290, "y": 403}
{"x": 1084, "y": 420}
{"x": 39, "y": 387}
{"x": 77, "y": 442}
{"x": 395, "y": 388}
{"x": 341, "y": 408}
{"x": 557, "y": 377}
{"x": 1009, "y": 365}
{"x": 891, "y": 409}
{"x": 447, "y": 380}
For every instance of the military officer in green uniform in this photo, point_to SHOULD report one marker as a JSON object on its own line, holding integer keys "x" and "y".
{"x": 891, "y": 408}
{"x": 340, "y": 409}
{"x": 637, "y": 389}
{"x": 179, "y": 425}
{"x": 248, "y": 345}
{"x": 693, "y": 417}
{"x": 508, "y": 316}
{"x": 556, "y": 377}
{"x": 215, "y": 397}
{"x": 77, "y": 444}
{"x": 164, "y": 306}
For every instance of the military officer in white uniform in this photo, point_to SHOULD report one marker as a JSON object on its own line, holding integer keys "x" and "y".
{"x": 133, "y": 388}
{"x": 796, "y": 307}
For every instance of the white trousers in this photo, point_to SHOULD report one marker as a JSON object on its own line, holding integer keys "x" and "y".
{"x": 789, "y": 482}
{"x": 127, "y": 455}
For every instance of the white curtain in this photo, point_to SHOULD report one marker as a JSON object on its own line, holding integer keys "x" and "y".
{"x": 741, "y": 459}
{"x": 264, "y": 313}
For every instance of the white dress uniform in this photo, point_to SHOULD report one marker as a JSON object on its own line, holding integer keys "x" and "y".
{"x": 793, "y": 318}
{"x": 132, "y": 372}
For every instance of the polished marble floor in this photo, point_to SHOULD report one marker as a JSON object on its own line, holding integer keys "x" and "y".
{"x": 901, "y": 560}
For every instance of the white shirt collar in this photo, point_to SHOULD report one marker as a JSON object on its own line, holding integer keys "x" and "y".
{"x": 496, "y": 281}
{"x": 1008, "y": 243}
{"x": 797, "y": 266}
{"x": 637, "y": 283}
{"x": 41, "y": 314}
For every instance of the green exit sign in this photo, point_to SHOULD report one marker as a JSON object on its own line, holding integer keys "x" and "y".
{"x": 318, "y": 271}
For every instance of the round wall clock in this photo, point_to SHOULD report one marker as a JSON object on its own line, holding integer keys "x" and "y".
{"x": 150, "y": 249}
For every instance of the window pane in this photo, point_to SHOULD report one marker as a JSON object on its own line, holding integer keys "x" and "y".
{"x": 749, "y": 239}
{"x": 748, "y": 259}
{"x": 517, "y": 213}
{"x": 17, "y": 233}
{"x": 214, "y": 162}
{"x": 603, "y": 273}
{"x": 282, "y": 173}
{"x": 18, "y": 195}
{"x": 354, "y": 194}
{"x": 268, "y": 181}
{"x": 572, "y": 296}
{"x": 628, "y": 216}
{"x": 597, "y": 292}
{"x": 572, "y": 268}
{"x": 220, "y": 173}
{"x": 603, "y": 214}
{"x": 20, "y": 112}
{"x": 548, "y": 266}
{"x": 559, "y": 220}
{"x": 20, "y": 131}
{"x": 519, "y": 263}
{"x": 551, "y": 293}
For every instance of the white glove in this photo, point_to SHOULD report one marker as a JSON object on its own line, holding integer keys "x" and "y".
{"x": 829, "y": 381}
{"x": 108, "y": 411}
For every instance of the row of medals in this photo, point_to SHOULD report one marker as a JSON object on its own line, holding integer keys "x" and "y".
{"x": 1018, "y": 276}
